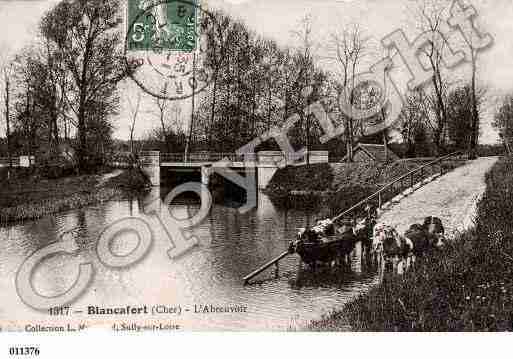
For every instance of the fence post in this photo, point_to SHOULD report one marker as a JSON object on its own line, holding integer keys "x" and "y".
{"x": 379, "y": 200}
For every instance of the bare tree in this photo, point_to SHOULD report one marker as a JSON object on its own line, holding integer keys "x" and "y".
{"x": 414, "y": 119}
{"x": 473, "y": 44}
{"x": 216, "y": 59}
{"x": 7, "y": 72}
{"x": 306, "y": 62}
{"x": 350, "y": 47}
{"x": 188, "y": 143}
{"x": 162, "y": 109}
{"x": 134, "y": 111}
{"x": 430, "y": 20}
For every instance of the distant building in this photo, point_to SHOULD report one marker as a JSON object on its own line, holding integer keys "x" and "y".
{"x": 372, "y": 153}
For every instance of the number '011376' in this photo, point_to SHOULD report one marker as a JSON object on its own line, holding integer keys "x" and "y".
{"x": 24, "y": 351}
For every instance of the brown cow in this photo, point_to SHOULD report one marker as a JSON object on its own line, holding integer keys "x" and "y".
{"x": 426, "y": 237}
{"x": 435, "y": 230}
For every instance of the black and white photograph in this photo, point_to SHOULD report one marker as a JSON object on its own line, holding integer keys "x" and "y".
{"x": 255, "y": 166}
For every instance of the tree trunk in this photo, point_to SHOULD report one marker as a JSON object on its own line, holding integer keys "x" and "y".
{"x": 188, "y": 144}
{"x": 269, "y": 109}
{"x": 441, "y": 113}
{"x": 132, "y": 140}
{"x": 7, "y": 120}
{"x": 81, "y": 152}
{"x": 474, "y": 137}
{"x": 212, "y": 110}
{"x": 54, "y": 128}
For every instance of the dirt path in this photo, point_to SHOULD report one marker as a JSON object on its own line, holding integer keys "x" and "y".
{"x": 452, "y": 197}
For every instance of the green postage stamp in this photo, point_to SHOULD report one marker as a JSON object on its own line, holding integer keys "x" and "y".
{"x": 161, "y": 25}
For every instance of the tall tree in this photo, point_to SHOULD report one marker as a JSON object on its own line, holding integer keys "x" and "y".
{"x": 258, "y": 86}
{"x": 472, "y": 44}
{"x": 503, "y": 121}
{"x": 431, "y": 20}
{"x": 162, "y": 106}
{"x": 414, "y": 119}
{"x": 461, "y": 114}
{"x": 7, "y": 92}
{"x": 350, "y": 46}
{"x": 134, "y": 112}
{"x": 86, "y": 36}
{"x": 306, "y": 66}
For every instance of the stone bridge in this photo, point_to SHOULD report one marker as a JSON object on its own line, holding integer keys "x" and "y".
{"x": 263, "y": 164}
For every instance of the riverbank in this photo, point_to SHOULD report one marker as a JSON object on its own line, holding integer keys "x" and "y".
{"x": 26, "y": 196}
{"x": 467, "y": 287}
{"x": 335, "y": 187}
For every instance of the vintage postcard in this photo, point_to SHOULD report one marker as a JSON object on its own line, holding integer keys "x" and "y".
{"x": 255, "y": 165}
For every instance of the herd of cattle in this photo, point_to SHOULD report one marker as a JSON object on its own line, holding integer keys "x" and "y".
{"x": 420, "y": 239}
{"x": 380, "y": 241}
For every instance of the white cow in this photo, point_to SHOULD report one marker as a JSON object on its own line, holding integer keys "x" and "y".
{"x": 398, "y": 247}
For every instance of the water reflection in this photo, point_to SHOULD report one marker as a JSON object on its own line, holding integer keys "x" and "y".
{"x": 230, "y": 246}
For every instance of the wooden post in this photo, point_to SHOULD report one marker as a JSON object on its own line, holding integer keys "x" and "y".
{"x": 379, "y": 200}
{"x": 412, "y": 180}
{"x": 264, "y": 267}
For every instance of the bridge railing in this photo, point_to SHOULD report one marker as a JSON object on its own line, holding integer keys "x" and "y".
{"x": 12, "y": 161}
{"x": 172, "y": 157}
{"x": 264, "y": 157}
{"x": 200, "y": 157}
{"x": 402, "y": 183}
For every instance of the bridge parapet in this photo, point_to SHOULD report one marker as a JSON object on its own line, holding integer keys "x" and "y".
{"x": 150, "y": 162}
{"x": 262, "y": 158}
{"x": 18, "y": 161}
{"x": 276, "y": 157}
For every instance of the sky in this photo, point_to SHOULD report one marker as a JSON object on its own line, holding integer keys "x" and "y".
{"x": 277, "y": 19}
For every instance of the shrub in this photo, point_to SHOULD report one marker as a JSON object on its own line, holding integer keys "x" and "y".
{"x": 53, "y": 165}
{"x": 315, "y": 177}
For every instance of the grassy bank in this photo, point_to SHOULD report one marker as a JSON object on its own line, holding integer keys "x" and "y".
{"x": 468, "y": 287}
{"x": 332, "y": 188}
{"x": 26, "y": 196}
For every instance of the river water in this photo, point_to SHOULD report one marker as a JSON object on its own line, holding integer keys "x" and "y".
{"x": 230, "y": 246}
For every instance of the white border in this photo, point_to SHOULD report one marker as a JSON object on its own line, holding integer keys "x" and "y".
{"x": 106, "y": 344}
